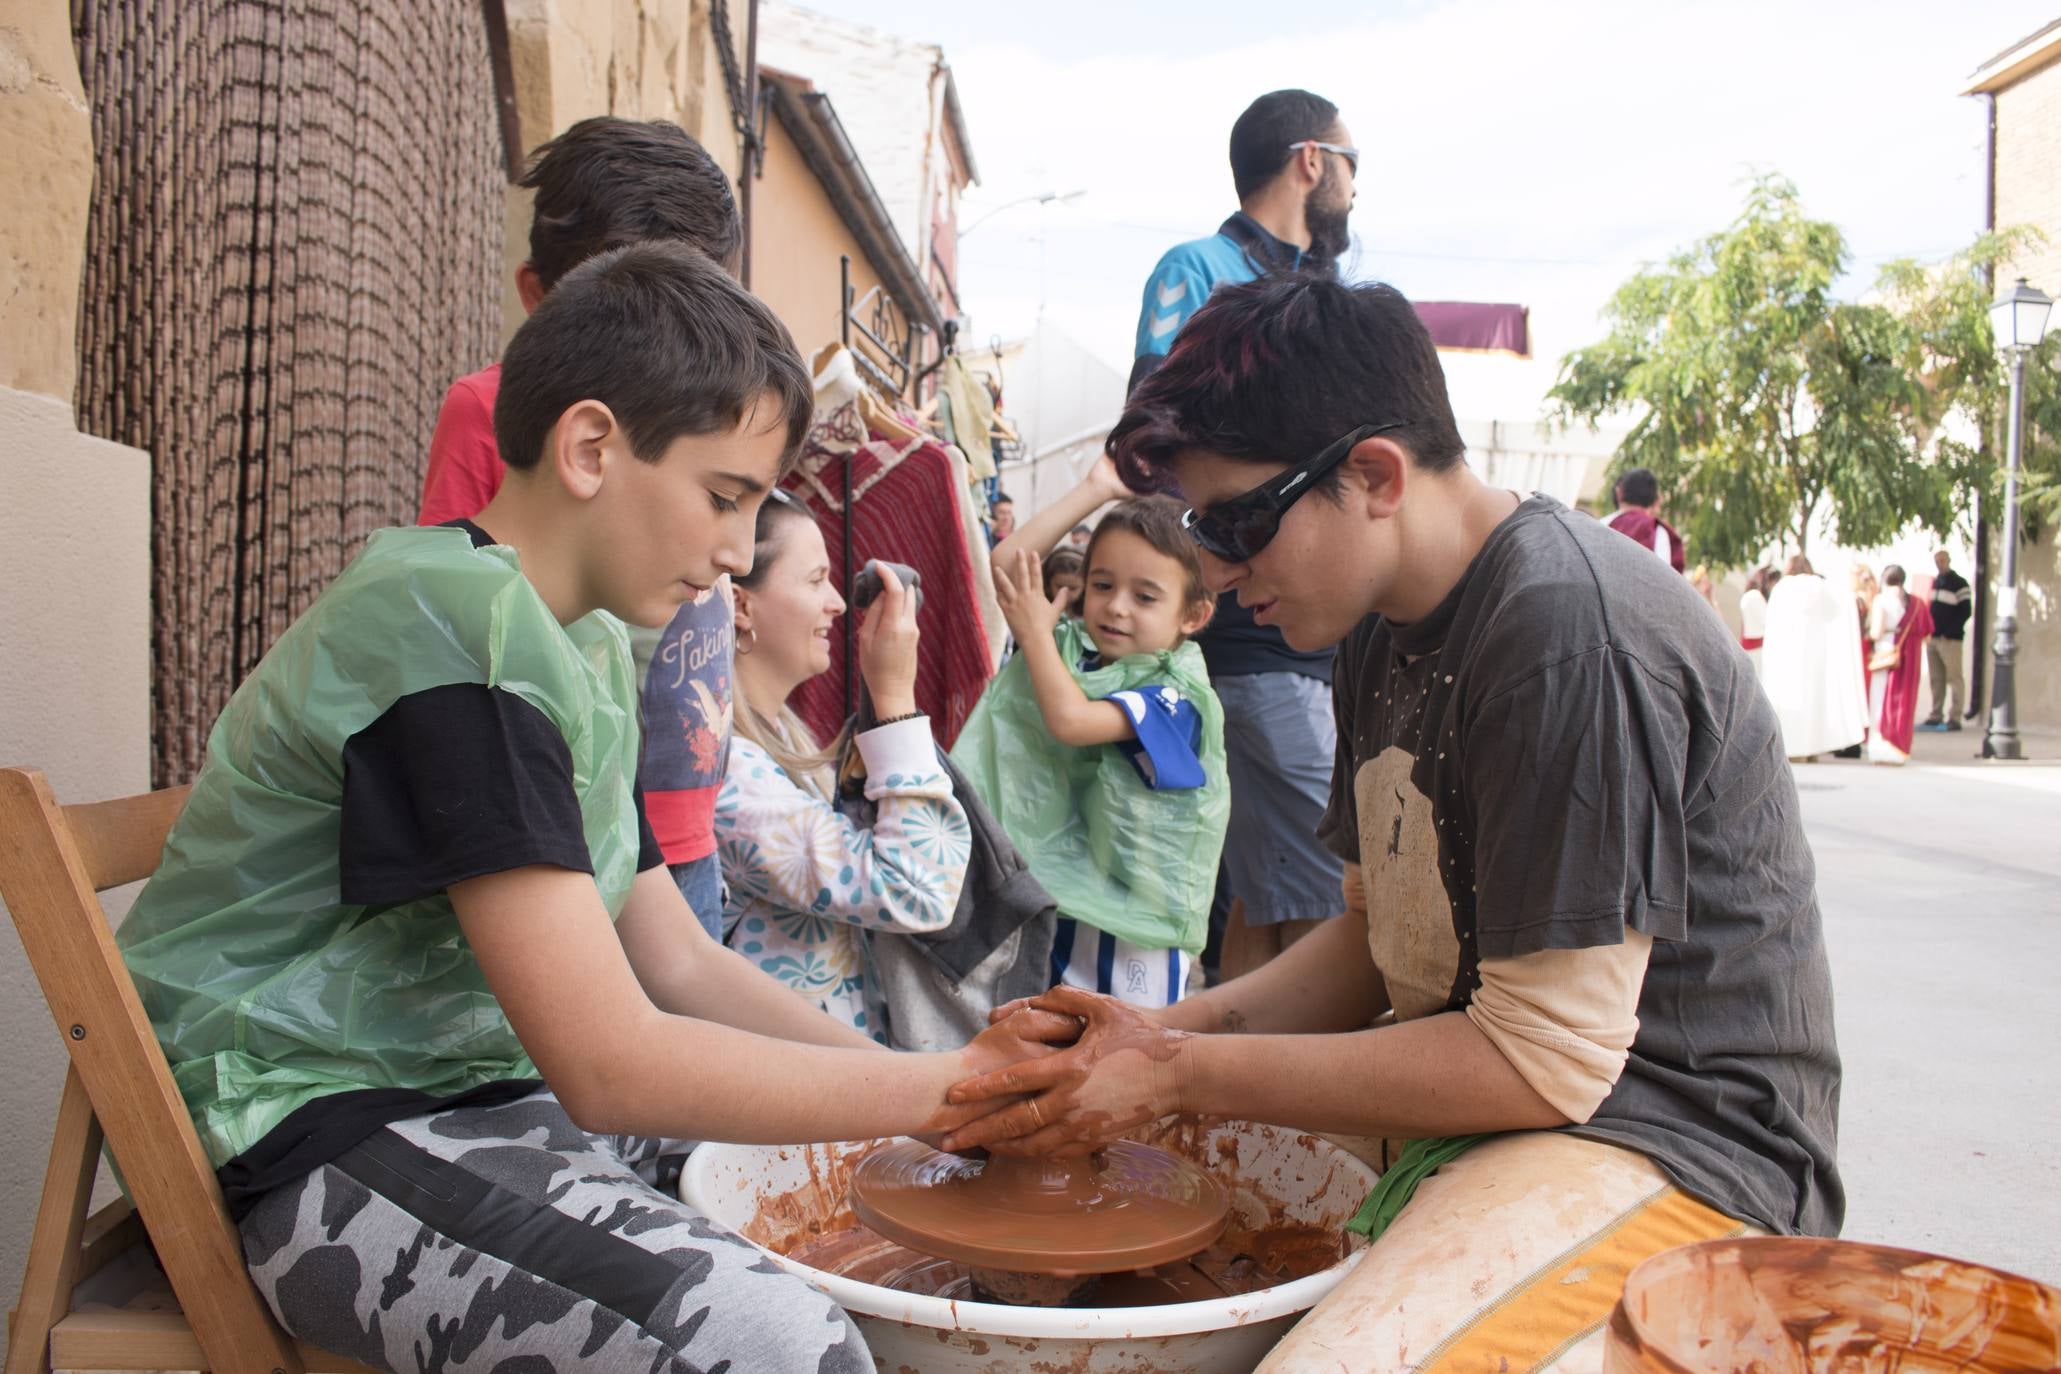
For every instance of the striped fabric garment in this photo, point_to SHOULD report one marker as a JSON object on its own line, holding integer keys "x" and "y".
{"x": 905, "y": 509}
{"x": 1096, "y": 961}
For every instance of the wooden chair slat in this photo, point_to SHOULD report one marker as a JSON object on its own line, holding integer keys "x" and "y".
{"x": 119, "y": 841}
{"x": 155, "y": 1340}
{"x": 54, "y": 1245}
{"x": 49, "y": 887}
{"x": 110, "y": 1233}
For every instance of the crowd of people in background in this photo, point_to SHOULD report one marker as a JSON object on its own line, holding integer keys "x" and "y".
{"x": 1906, "y": 632}
{"x": 1903, "y": 635}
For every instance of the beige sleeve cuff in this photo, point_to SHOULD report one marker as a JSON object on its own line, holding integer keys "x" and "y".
{"x": 1565, "y": 1018}
{"x": 1354, "y": 893}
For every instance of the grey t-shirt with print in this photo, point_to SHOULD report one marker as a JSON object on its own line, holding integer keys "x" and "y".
{"x": 1569, "y": 745}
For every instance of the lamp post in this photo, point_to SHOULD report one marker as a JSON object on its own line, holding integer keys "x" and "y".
{"x": 1036, "y": 198}
{"x": 2018, "y": 321}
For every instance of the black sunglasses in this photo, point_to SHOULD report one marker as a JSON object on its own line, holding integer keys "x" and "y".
{"x": 1236, "y": 529}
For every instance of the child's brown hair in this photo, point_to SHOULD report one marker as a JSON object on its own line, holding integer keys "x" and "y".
{"x": 1063, "y": 563}
{"x": 1157, "y": 521}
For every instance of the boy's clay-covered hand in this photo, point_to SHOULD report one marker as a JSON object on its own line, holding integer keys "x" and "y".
{"x": 1025, "y": 1035}
{"x": 1020, "y": 590}
{"x": 887, "y": 648}
{"x": 1124, "y": 1071}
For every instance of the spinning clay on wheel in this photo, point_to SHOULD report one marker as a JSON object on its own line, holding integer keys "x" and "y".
{"x": 1128, "y": 1206}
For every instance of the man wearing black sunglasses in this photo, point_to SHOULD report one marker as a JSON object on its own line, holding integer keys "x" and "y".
{"x": 1576, "y": 873}
{"x": 1293, "y": 167}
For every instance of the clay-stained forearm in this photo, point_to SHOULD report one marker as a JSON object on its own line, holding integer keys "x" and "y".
{"x": 1435, "y": 1076}
{"x": 707, "y": 1081}
{"x": 622, "y": 1064}
{"x": 1325, "y": 981}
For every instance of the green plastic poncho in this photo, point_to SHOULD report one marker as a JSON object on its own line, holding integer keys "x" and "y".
{"x": 266, "y": 989}
{"x": 1138, "y": 863}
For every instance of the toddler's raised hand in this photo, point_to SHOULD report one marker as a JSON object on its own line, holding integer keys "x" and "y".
{"x": 1020, "y": 588}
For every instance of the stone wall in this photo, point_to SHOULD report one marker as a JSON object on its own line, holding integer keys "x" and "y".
{"x": 640, "y": 59}
{"x": 2028, "y": 190}
{"x": 74, "y": 552}
{"x": 47, "y": 132}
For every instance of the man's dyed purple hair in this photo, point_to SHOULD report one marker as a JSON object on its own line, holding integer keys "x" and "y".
{"x": 1273, "y": 370}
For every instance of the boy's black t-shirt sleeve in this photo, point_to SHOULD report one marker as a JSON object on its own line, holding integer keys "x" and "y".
{"x": 456, "y": 782}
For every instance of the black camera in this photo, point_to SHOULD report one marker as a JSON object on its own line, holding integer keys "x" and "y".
{"x": 866, "y": 586}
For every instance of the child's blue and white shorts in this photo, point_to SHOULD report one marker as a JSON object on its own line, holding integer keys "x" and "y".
{"x": 1096, "y": 961}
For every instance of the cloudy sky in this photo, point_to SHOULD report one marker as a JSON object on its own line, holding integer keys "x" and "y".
{"x": 1513, "y": 150}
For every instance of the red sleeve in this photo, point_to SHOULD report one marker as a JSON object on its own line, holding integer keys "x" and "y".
{"x": 465, "y": 468}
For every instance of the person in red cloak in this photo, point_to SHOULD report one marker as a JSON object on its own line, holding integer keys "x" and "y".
{"x": 1638, "y": 517}
{"x": 1897, "y": 651}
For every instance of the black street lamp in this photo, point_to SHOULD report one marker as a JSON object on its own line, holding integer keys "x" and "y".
{"x": 2018, "y": 321}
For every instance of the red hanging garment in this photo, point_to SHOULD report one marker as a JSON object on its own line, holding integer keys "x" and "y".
{"x": 904, "y": 509}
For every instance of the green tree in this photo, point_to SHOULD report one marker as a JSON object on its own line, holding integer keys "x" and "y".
{"x": 1761, "y": 399}
{"x": 1946, "y": 310}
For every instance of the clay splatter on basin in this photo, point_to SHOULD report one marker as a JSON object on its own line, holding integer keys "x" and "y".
{"x": 1283, "y": 1249}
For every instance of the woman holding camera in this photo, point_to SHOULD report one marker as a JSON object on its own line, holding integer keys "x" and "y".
{"x": 804, "y": 879}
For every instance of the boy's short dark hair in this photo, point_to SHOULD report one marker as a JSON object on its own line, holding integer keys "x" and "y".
{"x": 1002, "y": 499}
{"x": 664, "y": 338}
{"x": 1260, "y": 138}
{"x": 1638, "y": 487}
{"x": 607, "y": 182}
{"x": 1274, "y": 370}
{"x": 1157, "y": 521}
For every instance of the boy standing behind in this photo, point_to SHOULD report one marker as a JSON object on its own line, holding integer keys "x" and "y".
{"x": 604, "y": 183}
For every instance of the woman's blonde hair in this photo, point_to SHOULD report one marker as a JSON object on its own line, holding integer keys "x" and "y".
{"x": 784, "y": 736}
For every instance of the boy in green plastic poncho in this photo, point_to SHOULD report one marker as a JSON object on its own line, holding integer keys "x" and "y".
{"x": 413, "y": 886}
{"x": 1100, "y": 747}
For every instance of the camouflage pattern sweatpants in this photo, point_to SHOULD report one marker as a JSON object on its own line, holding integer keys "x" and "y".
{"x": 506, "y": 1240}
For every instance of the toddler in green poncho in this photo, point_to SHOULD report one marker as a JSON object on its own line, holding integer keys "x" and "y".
{"x": 1100, "y": 746}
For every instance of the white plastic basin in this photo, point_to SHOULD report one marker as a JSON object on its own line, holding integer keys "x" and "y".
{"x": 776, "y": 1196}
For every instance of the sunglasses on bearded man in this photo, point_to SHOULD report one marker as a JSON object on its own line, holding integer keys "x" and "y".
{"x": 1236, "y": 529}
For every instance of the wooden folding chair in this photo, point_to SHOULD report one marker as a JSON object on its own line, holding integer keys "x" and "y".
{"x": 54, "y": 861}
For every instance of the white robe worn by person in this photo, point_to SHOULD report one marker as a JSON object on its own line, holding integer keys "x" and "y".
{"x": 1753, "y": 622}
{"x": 1811, "y": 666}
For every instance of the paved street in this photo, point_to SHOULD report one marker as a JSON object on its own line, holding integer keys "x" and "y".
{"x": 1941, "y": 885}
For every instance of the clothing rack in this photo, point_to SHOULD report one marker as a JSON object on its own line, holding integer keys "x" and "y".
{"x": 888, "y": 343}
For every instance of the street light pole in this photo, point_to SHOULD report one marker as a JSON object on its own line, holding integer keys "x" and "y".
{"x": 2019, "y": 322}
{"x": 2001, "y": 741}
{"x": 1035, "y": 198}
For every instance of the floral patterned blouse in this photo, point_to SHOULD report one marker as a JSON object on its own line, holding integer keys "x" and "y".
{"x": 804, "y": 880}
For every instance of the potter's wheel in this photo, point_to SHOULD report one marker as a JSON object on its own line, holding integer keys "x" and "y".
{"x": 1127, "y": 1206}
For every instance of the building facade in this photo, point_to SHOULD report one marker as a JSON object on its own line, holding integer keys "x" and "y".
{"x": 2023, "y": 86}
